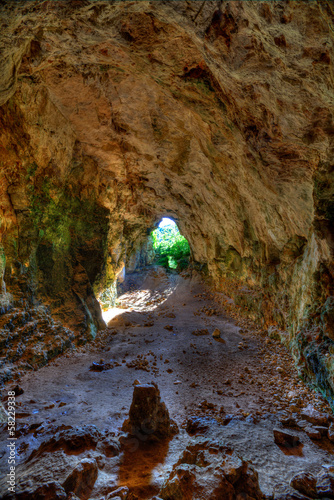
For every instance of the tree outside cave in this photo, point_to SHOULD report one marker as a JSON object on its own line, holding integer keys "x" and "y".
{"x": 171, "y": 248}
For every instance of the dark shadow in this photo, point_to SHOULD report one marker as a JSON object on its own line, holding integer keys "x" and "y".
{"x": 295, "y": 451}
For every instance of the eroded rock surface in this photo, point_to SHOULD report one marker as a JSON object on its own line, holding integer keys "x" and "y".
{"x": 208, "y": 469}
{"x": 221, "y": 115}
{"x": 148, "y": 415}
{"x": 82, "y": 479}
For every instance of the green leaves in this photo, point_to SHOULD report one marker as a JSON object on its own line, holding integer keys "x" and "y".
{"x": 171, "y": 248}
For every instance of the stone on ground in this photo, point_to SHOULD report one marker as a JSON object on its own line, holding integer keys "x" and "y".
{"x": 216, "y": 333}
{"x": 286, "y": 439}
{"x": 209, "y": 470}
{"x": 305, "y": 483}
{"x": 148, "y": 416}
{"x": 82, "y": 479}
{"x": 325, "y": 485}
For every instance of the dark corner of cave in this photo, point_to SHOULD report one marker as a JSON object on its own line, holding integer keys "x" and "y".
{"x": 166, "y": 250}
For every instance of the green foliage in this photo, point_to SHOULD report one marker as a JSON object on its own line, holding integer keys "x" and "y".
{"x": 172, "y": 249}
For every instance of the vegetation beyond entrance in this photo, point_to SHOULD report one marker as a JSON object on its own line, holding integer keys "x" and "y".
{"x": 171, "y": 248}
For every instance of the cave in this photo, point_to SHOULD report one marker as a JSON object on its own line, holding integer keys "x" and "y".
{"x": 131, "y": 373}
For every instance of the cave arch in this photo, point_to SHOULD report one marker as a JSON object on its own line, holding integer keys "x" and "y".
{"x": 96, "y": 143}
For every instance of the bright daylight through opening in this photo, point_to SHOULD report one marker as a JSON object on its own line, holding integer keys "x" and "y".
{"x": 171, "y": 250}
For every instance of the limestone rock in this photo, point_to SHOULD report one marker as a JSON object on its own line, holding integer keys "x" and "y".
{"x": 72, "y": 496}
{"x": 73, "y": 439}
{"x": 50, "y": 491}
{"x": 322, "y": 429}
{"x": 82, "y": 478}
{"x": 148, "y": 415}
{"x": 108, "y": 446}
{"x": 121, "y": 493}
{"x": 312, "y": 432}
{"x": 314, "y": 416}
{"x": 219, "y": 116}
{"x": 305, "y": 483}
{"x": 285, "y": 492}
{"x": 216, "y": 333}
{"x": 327, "y": 317}
{"x": 286, "y": 439}
{"x": 221, "y": 474}
{"x": 198, "y": 425}
{"x": 325, "y": 485}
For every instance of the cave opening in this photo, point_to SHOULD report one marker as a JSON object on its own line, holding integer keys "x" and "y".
{"x": 171, "y": 248}
{"x": 115, "y": 116}
{"x": 162, "y": 252}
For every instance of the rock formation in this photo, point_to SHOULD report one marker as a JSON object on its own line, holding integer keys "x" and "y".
{"x": 218, "y": 114}
{"x": 206, "y": 469}
{"x": 148, "y": 416}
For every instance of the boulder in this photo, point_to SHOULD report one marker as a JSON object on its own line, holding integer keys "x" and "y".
{"x": 108, "y": 446}
{"x": 82, "y": 479}
{"x": 71, "y": 439}
{"x": 207, "y": 469}
{"x": 50, "y": 491}
{"x": 198, "y": 425}
{"x": 325, "y": 484}
{"x": 285, "y": 492}
{"x": 286, "y": 439}
{"x": 305, "y": 483}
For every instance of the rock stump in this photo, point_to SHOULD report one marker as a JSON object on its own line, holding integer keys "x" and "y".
{"x": 148, "y": 416}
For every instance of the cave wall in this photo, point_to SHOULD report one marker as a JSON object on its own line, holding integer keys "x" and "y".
{"x": 219, "y": 114}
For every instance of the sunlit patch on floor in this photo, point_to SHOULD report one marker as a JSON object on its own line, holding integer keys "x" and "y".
{"x": 139, "y": 300}
{"x": 112, "y": 313}
{"x": 145, "y": 300}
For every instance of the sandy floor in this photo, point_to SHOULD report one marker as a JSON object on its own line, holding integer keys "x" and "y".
{"x": 165, "y": 335}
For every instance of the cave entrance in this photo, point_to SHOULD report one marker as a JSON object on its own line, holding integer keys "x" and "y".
{"x": 149, "y": 283}
{"x": 172, "y": 250}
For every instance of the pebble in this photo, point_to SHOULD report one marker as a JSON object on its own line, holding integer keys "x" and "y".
{"x": 216, "y": 333}
{"x": 302, "y": 424}
{"x": 312, "y": 433}
{"x": 314, "y": 416}
{"x": 285, "y": 438}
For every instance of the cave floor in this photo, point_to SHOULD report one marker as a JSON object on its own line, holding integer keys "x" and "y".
{"x": 162, "y": 332}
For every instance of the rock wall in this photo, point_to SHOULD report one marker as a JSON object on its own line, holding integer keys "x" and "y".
{"x": 219, "y": 114}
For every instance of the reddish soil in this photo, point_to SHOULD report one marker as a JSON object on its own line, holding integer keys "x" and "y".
{"x": 165, "y": 335}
